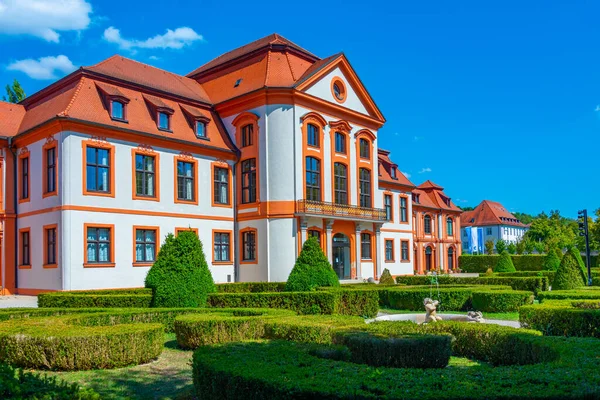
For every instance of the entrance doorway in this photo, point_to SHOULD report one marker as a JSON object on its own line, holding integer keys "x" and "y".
{"x": 341, "y": 255}
{"x": 428, "y": 258}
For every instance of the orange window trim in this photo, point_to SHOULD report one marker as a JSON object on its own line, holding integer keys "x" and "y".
{"x": 373, "y": 249}
{"x": 248, "y": 152}
{"x": 21, "y": 265}
{"x": 194, "y": 162}
{"x": 344, "y": 128}
{"x": 408, "y": 217}
{"x": 387, "y": 193}
{"x": 100, "y": 144}
{"x": 311, "y": 151}
{"x": 385, "y": 252}
{"x": 230, "y": 233}
{"x": 255, "y": 261}
{"x": 221, "y": 164}
{"x": 156, "y": 155}
{"x": 321, "y": 234}
{"x": 358, "y": 168}
{"x": 156, "y": 229}
{"x": 50, "y": 144}
{"x": 408, "y": 247}
{"x": 178, "y": 230}
{"x": 24, "y": 154}
{"x": 111, "y": 263}
{"x": 342, "y": 86}
{"x": 46, "y": 228}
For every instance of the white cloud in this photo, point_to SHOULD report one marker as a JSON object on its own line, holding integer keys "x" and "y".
{"x": 44, "y": 67}
{"x": 171, "y": 40}
{"x": 43, "y": 18}
{"x": 406, "y": 174}
{"x": 154, "y": 58}
{"x": 422, "y": 171}
{"x": 461, "y": 201}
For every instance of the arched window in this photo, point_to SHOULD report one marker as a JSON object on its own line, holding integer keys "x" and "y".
{"x": 450, "y": 258}
{"x": 365, "y": 187}
{"x": 427, "y": 224}
{"x": 449, "y": 226}
{"x": 364, "y": 149}
{"x": 312, "y": 135}
{"x": 340, "y": 183}
{"x": 313, "y": 179}
{"x": 247, "y": 135}
{"x": 249, "y": 181}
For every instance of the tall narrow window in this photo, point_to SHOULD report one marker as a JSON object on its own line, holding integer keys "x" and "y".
{"x": 145, "y": 245}
{"x": 316, "y": 234}
{"x": 145, "y": 179}
{"x": 24, "y": 178}
{"x": 313, "y": 179}
{"x": 249, "y": 246}
{"x": 25, "y": 248}
{"x": 222, "y": 247}
{"x": 98, "y": 245}
{"x": 427, "y": 224}
{"x": 247, "y": 135}
{"x": 403, "y": 210}
{"x": 389, "y": 250}
{"x": 340, "y": 143}
{"x": 449, "y": 226}
{"x": 365, "y": 246}
{"x": 404, "y": 251}
{"x": 365, "y": 151}
{"x": 365, "y": 187}
{"x": 312, "y": 135}
{"x": 186, "y": 176}
{"x": 249, "y": 181}
{"x": 221, "y": 186}
{"x": 50, "y": 170}
{"x": 117, "y": 110}
{"x": 50, "y": 240}
{"x": 340, "y": 176}
{"x": 200, "y": 129}
{"x": 164, "y": 121}
{"x": 450, "y": 258}
{"x": 387, "y": 198}
{"x": 98, "y": 169}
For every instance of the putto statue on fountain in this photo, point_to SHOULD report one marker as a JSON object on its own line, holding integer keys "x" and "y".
{"x": 475, "y": 316}
{"x": 431, "y": 308}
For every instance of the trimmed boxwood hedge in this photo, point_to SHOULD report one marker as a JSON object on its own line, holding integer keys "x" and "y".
{"x": 85, "y": 300}
{"x": 548, "y": 368}
{"x": 500, "y": 300}
{"x": 250, "y": 287}
{"x": 583, "y": 293}
{"x": 564, "y": 318}
{"x": 531, "y": 283}
{"x": 481, "y": 263}
{"x": 17, "y": 384}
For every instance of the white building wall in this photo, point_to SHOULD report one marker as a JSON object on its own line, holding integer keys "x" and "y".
{"x": 398, "y": 232}
{"x": 322, "y": 89}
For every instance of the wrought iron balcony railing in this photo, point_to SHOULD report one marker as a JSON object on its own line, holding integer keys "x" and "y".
{"x": 312, "y": 207}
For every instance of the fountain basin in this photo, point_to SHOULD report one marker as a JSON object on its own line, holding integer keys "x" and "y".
{"x": 420, "y": 318}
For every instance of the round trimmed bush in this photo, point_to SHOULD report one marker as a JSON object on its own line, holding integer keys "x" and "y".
{"x": 570, "y": 273}
{"x": 180, "y": 276}
{"x": 312, "y": 269}
{"x": 386, "y": 278}
{"x": 505, "y": 263}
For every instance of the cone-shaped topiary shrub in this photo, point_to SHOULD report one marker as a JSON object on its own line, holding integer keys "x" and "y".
{"x": 180, "y": 276}
{"x": 312, "y": 269}
{"x": 551, "y": 261}
{"x": 386, "y": 278}
{"x": 505, "y": 263}
{"x": 581, "y": 265}
{"x": 570, "y": 274}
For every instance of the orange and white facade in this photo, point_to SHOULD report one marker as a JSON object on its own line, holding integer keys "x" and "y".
{"x": 255, "y": 151}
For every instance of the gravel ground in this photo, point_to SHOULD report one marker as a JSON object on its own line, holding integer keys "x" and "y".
{"x": 18, "y": 301}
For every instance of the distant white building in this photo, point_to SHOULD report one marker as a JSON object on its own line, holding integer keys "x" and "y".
{"x": 489, "y": 221}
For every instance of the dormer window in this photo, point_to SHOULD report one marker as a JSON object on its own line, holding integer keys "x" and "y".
{"x": 393, "y": 173}
{"x": 164, "y": 121}
{"x": 200, "y": 129}
{"x": 117, "y": 110}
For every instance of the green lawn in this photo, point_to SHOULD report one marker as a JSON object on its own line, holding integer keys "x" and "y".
{"x": 169, "y": 377}
{"x": 509, "y": 316}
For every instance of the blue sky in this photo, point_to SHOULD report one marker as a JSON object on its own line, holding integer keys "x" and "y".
{"x": 491, "y": 101}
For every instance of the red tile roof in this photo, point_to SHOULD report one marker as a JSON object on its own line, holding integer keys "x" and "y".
{"x": 11, "y": 116}
{"x": 489, "y": 213}
{"x": 433, "y": 196}
{"x": 385, "y": 165}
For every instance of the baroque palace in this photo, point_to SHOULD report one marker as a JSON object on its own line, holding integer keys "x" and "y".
{"x": 255, "y": 151}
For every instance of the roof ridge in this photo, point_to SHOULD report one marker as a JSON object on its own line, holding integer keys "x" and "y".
{"x": 268, "y": 65}
{"x": 65, "y": 113}
{"x": 287, "y": 57}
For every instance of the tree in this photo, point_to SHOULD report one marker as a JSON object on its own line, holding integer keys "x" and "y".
{"x": 540, "y": 247}
{"x": 489, "y": 247}
{"x": 569, "y": 274}
{"x": 529, "y": 245}
{"x": 524, "y": 218}
{"x": 520, "y": 247}
{"x": 14, "y": 92}
{"x": 512, "y": 248}
{"x": 553, "y": 230}
{"x": 551, "y": 261}
{"x": 500, "y": 246}
{"x": 505, "y": 263}
{"x": 386, "y": 278}
{"x": 180, "y": 276}
{"x": 312, "y": 269}
{"x": 466, "y": 208}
